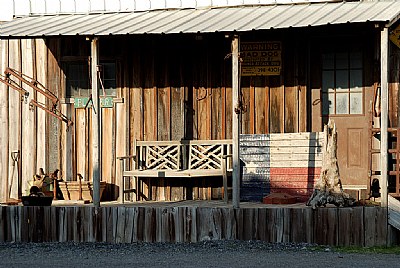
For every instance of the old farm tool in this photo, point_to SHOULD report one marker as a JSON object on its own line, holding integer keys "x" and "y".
{"x": 40, "y": 191}
{"x": 15, "y": 158}
{"x": 14, "y": 79}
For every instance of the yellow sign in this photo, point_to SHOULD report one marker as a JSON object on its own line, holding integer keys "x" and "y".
{"x": 395, "y": 36}
{"x": 261, "y": 58}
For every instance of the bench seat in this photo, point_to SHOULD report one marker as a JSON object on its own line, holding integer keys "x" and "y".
{"x": 175, "y": 173}
{"x": 162, "y": 159}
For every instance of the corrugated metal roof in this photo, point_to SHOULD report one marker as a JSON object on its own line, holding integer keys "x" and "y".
{"x": 228, "y": 19}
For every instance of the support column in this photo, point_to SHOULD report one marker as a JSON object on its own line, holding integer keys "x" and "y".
{"x": 96, "y": 141}
{"x": 384, "y": 116}
{"x": 235, "y": 123}
{"x": 4, "y": 126}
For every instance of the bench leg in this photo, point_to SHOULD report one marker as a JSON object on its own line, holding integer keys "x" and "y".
{"x": 225, "y": 184}
{"x": 121, "y": 190}
{"x": 122, "y": 182}
{"x": 137, "y": 181}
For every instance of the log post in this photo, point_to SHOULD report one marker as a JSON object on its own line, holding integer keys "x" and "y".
{"x": 384, "y": 115}
{"x": 328, "y": 189}
{"x": 96, "y": 142}
{"x": 235, "y": 123}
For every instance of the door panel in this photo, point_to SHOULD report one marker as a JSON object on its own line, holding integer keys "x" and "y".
{"x": 352, "y": 149}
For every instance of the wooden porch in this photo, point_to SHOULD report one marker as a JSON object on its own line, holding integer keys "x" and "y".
{"x": 194, "y": 221}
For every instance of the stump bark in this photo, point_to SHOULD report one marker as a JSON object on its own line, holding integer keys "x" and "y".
{"x": 328, "y": 189}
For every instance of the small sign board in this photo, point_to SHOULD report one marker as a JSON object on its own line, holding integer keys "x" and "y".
{"x": 261, "y": 58}
{"x": 106, "y": 102}
{"x": 81, "y": 102}
{"x": 395, "y": 36}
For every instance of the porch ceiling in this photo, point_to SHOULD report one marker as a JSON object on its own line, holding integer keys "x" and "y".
{"x": 226, "y": 19}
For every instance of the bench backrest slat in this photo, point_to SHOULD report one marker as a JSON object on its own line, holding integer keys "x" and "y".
{"x": 208, "y": 154}
{"x": 169, "y": 155}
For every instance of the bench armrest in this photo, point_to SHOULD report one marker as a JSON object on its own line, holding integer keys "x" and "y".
{"x": 126, "y": 157}
{"x": 123, "y": 167}
{"x": 124, "y": 161}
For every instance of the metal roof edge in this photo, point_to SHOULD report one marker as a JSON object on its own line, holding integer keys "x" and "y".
{"x": 22, "y": 27}
{"x": 97, "y": 12}
{"x": 393, "y": 20}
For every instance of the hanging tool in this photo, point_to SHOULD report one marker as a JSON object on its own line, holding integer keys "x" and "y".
{"x": 8, "y": 79}
{"x": 15, "y": 159}
{"x": 80, "y": 178}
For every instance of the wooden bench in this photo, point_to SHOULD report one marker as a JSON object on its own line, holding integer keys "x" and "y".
{"x": 176, "y": 159}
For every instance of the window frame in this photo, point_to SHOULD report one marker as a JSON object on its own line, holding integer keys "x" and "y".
{"x": 83, "y": 59}
{"x": 324, "y": 94}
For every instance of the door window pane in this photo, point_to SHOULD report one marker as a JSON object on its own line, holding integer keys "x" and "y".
{"x": 356, "y": 103}
{"x": 331, "y": 100}
{"x": 356, "y": 60}
{"x": 342, "y": 80}
{"x": 342, "y": 103}
{"x": 342, "y": 83}
{"x": 328, "y": 78}
{"x": 328, "y": 61}
{"x": 342, "y": 61}
{"x": 356, "y": 80}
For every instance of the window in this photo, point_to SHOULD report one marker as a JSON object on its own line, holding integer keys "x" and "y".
{"x": 342, "y": 80}
{"x": 108, "y": 78}
{"x": 78, "y": 79}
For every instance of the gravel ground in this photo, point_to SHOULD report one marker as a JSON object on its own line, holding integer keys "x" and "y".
{"x": 202, "y": 254}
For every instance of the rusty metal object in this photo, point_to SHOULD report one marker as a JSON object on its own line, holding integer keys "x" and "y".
{"x": 11, "y": 74}
{"x": 14, "y": 85}
{"x": 54, "y": 112}
{"x": 80, "y": 178}
{"x": 54, "y": 177}
{"x": 37, "y": 86}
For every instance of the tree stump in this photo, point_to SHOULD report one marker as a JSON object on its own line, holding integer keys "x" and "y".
{"x": 328, "y": 189}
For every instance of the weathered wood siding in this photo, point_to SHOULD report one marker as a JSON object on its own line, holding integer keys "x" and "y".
{"x": 170, "y": 87}
{"x": 4, "y": 122}
{"x": 25, "y": 130}
{"x": 359, "y": 226}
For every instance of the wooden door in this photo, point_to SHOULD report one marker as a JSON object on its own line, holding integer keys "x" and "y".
{"x": 345, "y": 100}
{"x": 353, "y": 149}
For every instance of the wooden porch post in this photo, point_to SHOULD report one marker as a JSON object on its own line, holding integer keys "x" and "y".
{"x": 96, "y": 153}
{"x": 235, "y": 122}
{"x": 384, "y": 116}
{"x": 4, "y": 138}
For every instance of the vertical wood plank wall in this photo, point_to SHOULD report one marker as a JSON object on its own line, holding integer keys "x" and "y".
{"x": 42, "y": 128}
{"x": 28, "y": 128}
{"x": 173, "y": 87}
{"x": 394, "y": 107}
{"x": 4, "y": 121}
{"x": 358, "y": 226}
{"x": 28, "y": 156}
{"x": 54, "y": 84}
{"x": 14, "y": 119}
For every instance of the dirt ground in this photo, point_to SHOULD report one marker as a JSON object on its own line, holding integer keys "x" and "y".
{"x": 203, "y": 254}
